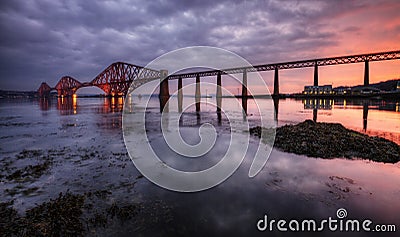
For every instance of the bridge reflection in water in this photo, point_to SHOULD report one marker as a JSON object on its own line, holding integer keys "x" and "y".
{"x": 323, "y": 110}
{"x": 65, "y": 105}
{"x": 365, "y": 105}
{"x": 70, "y": 105}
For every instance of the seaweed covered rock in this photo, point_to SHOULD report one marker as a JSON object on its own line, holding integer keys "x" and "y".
{"x": 332, "y": 140}
{"x": 67, "y": 215}
{"x": 59, "y": 217}
{"x": 9, "y": 220}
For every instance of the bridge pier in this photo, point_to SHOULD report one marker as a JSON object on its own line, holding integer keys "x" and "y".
{"x": 197, "y": 93}
{"x": 219, "y": 93}
{"x": 244, "y": 92}
{"x": 218, "y": 97}
{"x": 276, "y": 106}
{"x": 276, "y": 82}
{"x": 366, "y": 73}
{"x": 316, "y": 73}
{"x": 180, "y": 95}
{"x": 164, "y": 91}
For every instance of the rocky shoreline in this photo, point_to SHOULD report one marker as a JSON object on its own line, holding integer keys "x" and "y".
{"x": 28, "y": 208}
{"x": 330, "y": 140}
{"x": 68, "y": 215}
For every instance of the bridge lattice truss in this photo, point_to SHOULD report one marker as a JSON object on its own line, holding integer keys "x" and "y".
{"x": 114, "y": 80}
{"x": 297, "y": 64}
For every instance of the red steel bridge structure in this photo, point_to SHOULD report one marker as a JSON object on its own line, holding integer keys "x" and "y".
{"x": 116, "y": 79}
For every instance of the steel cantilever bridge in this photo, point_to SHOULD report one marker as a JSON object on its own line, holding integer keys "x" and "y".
{"x": 117, "y": 78}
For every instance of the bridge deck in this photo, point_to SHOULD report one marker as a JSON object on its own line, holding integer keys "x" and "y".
{"x": 297, "y": 64}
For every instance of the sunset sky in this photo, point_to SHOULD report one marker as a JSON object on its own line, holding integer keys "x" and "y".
{"x": 45, "y": 40}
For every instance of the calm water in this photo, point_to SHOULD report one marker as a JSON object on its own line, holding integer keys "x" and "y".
{"x": 289, "y": 186}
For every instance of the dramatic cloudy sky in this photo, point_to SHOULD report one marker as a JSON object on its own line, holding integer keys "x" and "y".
{"x": 43, "y": 40}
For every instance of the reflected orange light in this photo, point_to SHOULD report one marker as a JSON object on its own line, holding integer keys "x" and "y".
{"x": 74, "y": 103}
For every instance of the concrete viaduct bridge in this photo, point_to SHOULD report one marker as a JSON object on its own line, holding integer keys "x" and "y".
{"x": 116, "y": 79}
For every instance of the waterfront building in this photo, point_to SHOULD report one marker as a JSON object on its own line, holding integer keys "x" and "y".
{"x": 365, "y": 90}
{"x": 342, "y": 90}
{"x": 318, "y": 90}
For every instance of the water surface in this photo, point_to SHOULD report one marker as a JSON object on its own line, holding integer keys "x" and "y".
{"x": 84, "y": 138}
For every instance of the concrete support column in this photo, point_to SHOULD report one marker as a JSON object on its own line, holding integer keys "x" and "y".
{"x": 219, "y": 93}
{"x": 180, "y": 95}
{"x": 244, "y": 84}
{"x": 316, "y": 73}
{"x": 198, "y": 93}
{"x": 164, "y": 90}
{"x": 219, "y": 97}
{"x": 366, "y": 73}
{"x": 244, "y": 92}
{"x": 276, "y": 105}
{"x": 276, "y": 82}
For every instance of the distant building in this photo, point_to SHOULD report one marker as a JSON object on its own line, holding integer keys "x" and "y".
{"x": 318, "y": 90}
{"x": 342, "y": 90}
{"x": 365, "y": 90}
{"x": 310, "y": 90}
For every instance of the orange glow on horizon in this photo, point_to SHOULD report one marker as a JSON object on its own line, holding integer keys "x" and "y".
{"x": 368, "y": 29}
{"x": 294, "y": 80}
